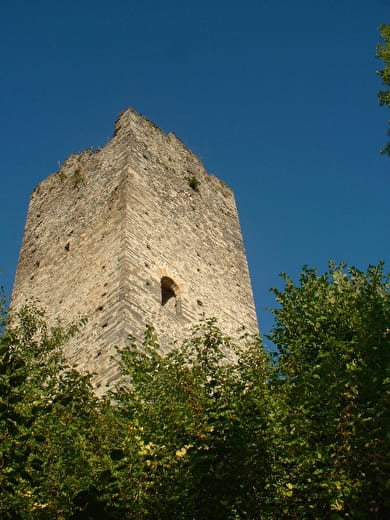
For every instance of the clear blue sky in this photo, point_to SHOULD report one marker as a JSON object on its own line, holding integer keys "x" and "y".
{"x": 278, "y": 99}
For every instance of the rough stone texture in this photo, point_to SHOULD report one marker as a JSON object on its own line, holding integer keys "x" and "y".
{"x": 116, "y": 232}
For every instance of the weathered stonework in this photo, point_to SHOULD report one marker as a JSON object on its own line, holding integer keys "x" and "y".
{"x": 126, "y": 237}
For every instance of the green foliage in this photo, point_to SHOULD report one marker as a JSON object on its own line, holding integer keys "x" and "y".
{"x": 383, "y": 53}
{"x": 61, "y": 175}
{"x": 332, "y": 452}
{"x": 49, "y": 425}
{"x": 188, "y": 406}
{"x": 215, "y": 428}
{"x": 78, "y": 177}
{"x": 193, "y": 183}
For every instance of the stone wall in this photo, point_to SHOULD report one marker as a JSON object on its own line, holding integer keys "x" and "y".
{"x": 133, "y": 234}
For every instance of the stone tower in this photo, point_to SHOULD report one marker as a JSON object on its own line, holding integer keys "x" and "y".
{"x": 133, "y": 234}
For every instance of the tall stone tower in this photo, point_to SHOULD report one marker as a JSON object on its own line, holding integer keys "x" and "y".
{"x": 133, "y": 234}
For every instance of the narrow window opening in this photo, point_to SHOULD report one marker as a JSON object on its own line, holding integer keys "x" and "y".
{"x": 169, "y": 295}
{"x": 166, "y": 295}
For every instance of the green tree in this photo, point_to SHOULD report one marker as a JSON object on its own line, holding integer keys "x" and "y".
{"x": 183, "y": 437}
{"x": 215, "y": 428}
{"x": 383, "y": 53}
{"x": 201, "y": 424}
{"x": 51, "y": 428}
{"x": 331, "y": 442}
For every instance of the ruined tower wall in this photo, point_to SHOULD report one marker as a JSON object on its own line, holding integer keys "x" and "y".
{"x": 105, "y": 232}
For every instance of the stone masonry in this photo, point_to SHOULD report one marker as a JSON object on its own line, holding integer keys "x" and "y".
{"x": 133, "y": 234}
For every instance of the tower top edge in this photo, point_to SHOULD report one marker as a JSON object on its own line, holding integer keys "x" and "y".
{"x": 129, "y": 120}
{"x": 130, "y": 128}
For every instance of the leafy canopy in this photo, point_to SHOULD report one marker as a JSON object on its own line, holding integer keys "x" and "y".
{"x": 383, "y": 53}
{"x": 197, "y": 433}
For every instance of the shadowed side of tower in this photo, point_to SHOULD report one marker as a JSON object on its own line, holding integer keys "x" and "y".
{"x": 134, "y": 234}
